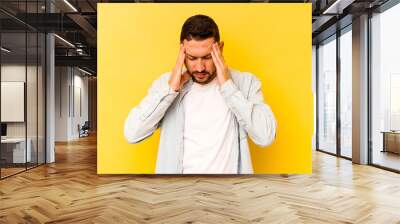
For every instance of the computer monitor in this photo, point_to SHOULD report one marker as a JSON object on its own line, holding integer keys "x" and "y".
{"x": 3, "y": 129}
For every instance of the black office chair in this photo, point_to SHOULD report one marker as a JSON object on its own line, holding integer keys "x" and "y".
{"x": 84, "y": 130}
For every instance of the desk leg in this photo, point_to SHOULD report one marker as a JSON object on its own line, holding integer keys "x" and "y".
{"x": 384, "y": 142}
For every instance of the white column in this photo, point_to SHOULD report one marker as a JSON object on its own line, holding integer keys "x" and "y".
{"x": 50, "y": 92}
{"x": 50, "y": 100}
{"x": 360, "y": 89}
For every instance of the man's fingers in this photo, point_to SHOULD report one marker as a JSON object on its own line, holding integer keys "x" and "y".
{"x": 217, "y": 54}
{"x": 214, "y": 58}
{"x": 181, "y": 54}
{"x": 182, "y": 51}
{"x": 181, "y": 59}
{"x": 219, "y": 60}
{"x": 218, "y": 51}
{"x": 176, "y": 78}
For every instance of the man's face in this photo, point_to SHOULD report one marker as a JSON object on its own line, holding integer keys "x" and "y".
{"x": 198, "y": 60}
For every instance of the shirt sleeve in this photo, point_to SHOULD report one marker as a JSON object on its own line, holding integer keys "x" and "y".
{"x": 252, "y": 113}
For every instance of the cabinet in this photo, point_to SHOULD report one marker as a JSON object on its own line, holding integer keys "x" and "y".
{"x": 391, "y": 141}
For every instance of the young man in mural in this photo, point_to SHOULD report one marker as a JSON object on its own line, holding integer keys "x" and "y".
{"x": 204, "y": 109}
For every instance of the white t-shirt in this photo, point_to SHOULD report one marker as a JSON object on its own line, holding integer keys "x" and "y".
{"x": 210, "y": 134}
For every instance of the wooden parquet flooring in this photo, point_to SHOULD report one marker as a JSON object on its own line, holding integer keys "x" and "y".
{"x": 70, "y": 191}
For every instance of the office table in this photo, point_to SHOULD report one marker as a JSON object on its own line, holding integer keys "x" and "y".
{"x": 16, "y": 147}
{"x": 391, "y": 141}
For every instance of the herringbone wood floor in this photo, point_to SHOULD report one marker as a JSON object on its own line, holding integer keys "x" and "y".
{"x": 69, "y": 191}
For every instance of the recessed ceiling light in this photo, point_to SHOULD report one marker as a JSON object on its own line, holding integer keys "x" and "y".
{"x": 5, "y": 50}
{"x": 84, "y": 71}
{"x": 70, "y": 5}
{"x": 64, "y": 40}
{"x": 337, "y": 7}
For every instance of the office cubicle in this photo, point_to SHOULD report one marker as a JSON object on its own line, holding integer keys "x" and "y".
{"x": 22, "y": 78}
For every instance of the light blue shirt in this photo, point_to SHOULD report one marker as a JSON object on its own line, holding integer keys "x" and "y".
{"x": 162, "y": 108}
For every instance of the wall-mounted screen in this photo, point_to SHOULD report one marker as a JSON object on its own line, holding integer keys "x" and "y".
{"x": 12, "y": 101}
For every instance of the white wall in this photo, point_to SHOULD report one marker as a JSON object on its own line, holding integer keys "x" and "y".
{"x": 16, "y": 72}
{"x": 71, "y": 94}
{"x": 81, "y": 84}
{"x": 62, "y": 81}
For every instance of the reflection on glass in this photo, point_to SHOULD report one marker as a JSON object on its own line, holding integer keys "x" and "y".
{"x": 346, "y": 94}
{"x": 395, "y": 101}
{"x": 41, "y": 98}
{"x": 327, "y": 96}
{"x": 31, "y": 86}
{"x": 22, "y": 90}
{"x": 386, "y": 88}
{"x": 15, "y": 150}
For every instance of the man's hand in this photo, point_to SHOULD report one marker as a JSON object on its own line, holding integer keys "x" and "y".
{"x": 222, "y": 67}
{"x": 177, "y": 79}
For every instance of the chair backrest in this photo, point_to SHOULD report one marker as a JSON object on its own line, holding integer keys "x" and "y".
{"x": 86, "y": 124}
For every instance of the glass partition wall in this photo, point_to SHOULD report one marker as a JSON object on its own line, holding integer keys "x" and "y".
{"x": 327, "y": 95}
{"x": 345, "y": 62}
{"x": 385, "y": 89}
{"x": 22, "y": 88}
{"x": 334, "y": 90}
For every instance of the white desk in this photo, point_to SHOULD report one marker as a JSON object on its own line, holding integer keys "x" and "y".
{"x": 19, "y": 149}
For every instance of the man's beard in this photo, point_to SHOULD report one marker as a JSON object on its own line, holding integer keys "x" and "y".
{"x": 197, "y": 76}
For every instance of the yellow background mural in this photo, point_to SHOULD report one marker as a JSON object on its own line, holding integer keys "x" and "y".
{"x": 139, "y": 42}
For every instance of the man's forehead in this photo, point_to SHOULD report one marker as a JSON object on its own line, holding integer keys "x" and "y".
{"x": 198, "y": 45}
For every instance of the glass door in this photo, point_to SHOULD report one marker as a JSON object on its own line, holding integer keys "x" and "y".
{"x": 327, "y": 95}
{"x": 346, "y": 92}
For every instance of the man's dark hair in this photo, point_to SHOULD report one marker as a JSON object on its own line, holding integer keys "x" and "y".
{"x": 199, "y": 27}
